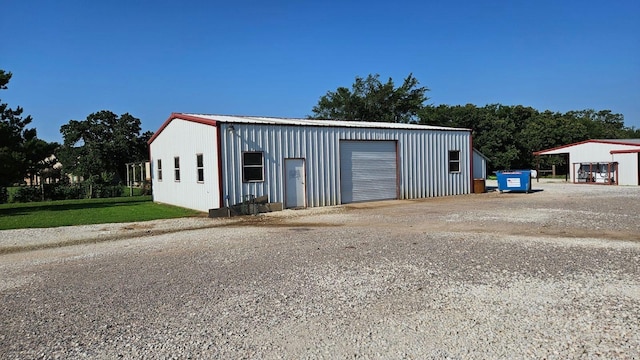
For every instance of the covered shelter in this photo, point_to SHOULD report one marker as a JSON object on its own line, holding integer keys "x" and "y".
{"x": 603, "y": 161}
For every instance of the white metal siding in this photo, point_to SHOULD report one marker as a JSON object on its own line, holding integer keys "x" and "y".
{"x": 186, "y": 139}
{"x": 479, "y": 166}
{"x": 422, "y": 160}
{"x": 627, "y": 168}
{"x": 368, "y": 171}
{"x": 594, "y": 152}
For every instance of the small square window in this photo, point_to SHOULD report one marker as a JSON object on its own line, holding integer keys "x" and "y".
{"x": 454, "y": 161}
{"x": 200, "y": 167}
{"x": 252, "y": 166}
{"x": 176, "y": 166}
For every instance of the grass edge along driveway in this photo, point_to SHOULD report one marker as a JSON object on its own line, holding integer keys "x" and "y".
{"x": 87, "y": 211}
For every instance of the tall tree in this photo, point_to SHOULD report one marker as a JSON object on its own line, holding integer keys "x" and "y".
{"x": 509, "y": 135}
{"x": 103, "y": 143}
{"x": 603, "y": 124}
{"x": 467, "y": 116}
{"x": 13, "y": 135}
{"x": 39, "y": 159}
{"x": 371, "y": 100}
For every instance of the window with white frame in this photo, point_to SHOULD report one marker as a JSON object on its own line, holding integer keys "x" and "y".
{"x": 454, "y": 161}
{"x": 159, "y": 169}
{"x": 200, "y": 167}
{"x": 252, "y": 166}
{"x": 176, "y": 168}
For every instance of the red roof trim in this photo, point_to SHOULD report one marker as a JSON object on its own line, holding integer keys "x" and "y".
{"x": 181, "y": 116}
{"x": 630, "y": 151}
{"x": 615, "y": 142}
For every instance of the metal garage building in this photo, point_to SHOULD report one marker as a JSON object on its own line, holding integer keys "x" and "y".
{"x": 605, "y": 161}
{"x": 208, "y": 162}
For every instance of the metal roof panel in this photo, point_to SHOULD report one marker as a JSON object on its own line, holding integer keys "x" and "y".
{"x": 314, "y": 122}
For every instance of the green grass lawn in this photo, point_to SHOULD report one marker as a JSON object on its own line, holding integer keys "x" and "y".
{"x": 87, "y": 211}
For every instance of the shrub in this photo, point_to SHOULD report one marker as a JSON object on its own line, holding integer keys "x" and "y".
{"x": 27, "y": 194}
{"x": 4, "y": 195}
{"x": 62, "y": 192}
{"x": 107, "y": 191}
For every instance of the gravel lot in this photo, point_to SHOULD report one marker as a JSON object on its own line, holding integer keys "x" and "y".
{"x": 554, "y": 274}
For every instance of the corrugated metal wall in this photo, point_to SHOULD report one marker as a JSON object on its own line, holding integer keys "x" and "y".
{"x": 422, "y": 160}
{"x": 479, "y": 166}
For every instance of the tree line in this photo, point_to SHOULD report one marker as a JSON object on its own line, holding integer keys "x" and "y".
{"x": 507, "y": 134}
{"x": 95, "y": 150}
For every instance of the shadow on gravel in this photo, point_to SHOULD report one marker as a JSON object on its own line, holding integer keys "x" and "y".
{"x": 95, "y": 240}
{"x": 25, "y": 209}
{"x": 491, "y": 189}
{"x": 532, "y": 191}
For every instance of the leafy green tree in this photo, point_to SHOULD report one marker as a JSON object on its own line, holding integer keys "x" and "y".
{"x": 38, "y": 159}
{"x": 494, "y": 135}
{"x": 22, "y": 154}
{"x": 603, "y": 124}
{"x": 631, "y": 133}
{"x": 547, "y": 130}
{"x": 509, "y": 135}
{"x": 103, "y": 143}
{"x": 14, "y": 139}
{"x": 494, "y": 129}
{"x": 371, "y": 100}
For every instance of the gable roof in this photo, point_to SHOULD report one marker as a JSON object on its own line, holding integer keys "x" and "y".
{"x": 213, "y": 120}
{"x": 555, "y": 150}
{"x": 183, "y": 117}
{"x": 481, "y": 154}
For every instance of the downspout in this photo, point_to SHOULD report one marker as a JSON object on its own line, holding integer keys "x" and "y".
{"x": 569, "y": 168}
{"x": 219, "y": 144}
{"x": 151, "y": 169}
{"x": 471, "y": 187}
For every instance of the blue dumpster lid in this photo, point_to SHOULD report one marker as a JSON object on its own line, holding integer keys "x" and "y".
{"x": 512, "y": 172}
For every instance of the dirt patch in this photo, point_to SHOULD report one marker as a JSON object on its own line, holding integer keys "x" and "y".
{"x": 138, "y": 226}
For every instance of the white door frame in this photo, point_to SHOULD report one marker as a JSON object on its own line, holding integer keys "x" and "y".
{"x": 301, "y": 184}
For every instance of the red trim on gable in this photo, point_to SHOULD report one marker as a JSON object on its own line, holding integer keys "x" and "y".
{"x": 181, "y": 116}
{"x": 541, "y": 152}
{"x": 630, "y": 151}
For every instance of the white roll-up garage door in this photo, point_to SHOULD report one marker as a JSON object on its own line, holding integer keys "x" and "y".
{"x": 368, "y": 171}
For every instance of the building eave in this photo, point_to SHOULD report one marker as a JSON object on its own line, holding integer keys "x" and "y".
{"x": 553, "y": 151}
{"x": 181, "y": 116}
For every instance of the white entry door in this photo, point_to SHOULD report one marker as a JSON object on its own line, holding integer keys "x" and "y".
{"x": 295, "y": 179}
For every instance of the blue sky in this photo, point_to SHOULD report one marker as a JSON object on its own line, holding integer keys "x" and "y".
{"x": 276, "y": 58}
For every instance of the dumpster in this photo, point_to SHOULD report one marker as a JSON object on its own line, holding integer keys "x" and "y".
{"x": 514, "y": 180}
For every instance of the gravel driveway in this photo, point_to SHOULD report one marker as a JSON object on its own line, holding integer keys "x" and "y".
{"x": 554, "y": 274}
